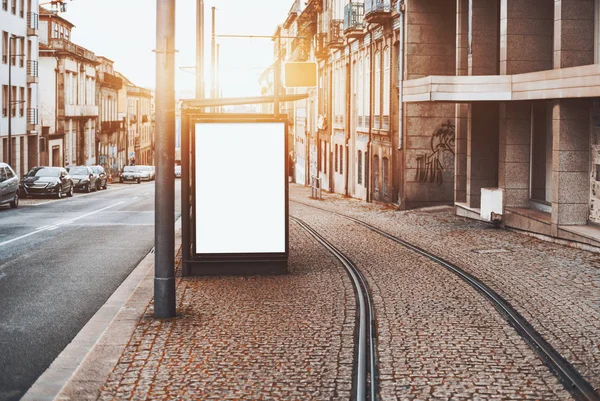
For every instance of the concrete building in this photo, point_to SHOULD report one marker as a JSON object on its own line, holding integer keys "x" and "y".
{"x": 110, "y": 129}
{"x": 19, "y": 30}
{"x": 68, "y": 107}
{"x": 519, "y": 78}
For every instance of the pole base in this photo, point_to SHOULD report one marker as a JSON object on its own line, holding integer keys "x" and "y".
{"x": 164, "y": 298}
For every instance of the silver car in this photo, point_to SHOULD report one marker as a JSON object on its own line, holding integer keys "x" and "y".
{"x": 9, "y": 186}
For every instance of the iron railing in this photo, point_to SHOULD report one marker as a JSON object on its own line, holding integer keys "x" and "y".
{"x": 336, "y": 37}
{"x": 32, "y": 116}
{"x": 32, "y": 20}
{"x": 32, "y": 68}
{"x": 372, "y": 6}
{"x": 353, "y": 16}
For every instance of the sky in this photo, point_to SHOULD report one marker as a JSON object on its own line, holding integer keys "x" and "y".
{"x": 125, "y": 32}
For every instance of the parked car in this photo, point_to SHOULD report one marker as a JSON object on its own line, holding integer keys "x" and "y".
{"x": 46, "y": 180}
{"x": 9, "y": 186}
{"x": 83, "y": 178}
{"x": 131, "y": 173}
{"x": 101, "y": 177}
{"x": 177, "y": 171}
{"x": 152, "y": 172}
{"x": 146, "y": 173}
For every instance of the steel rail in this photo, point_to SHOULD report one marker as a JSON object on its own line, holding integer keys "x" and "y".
{"x": 365, "y": 379}
{"x": 573, "y": 381}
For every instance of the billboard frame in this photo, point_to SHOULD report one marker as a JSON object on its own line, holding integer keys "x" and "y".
{"x": 216, "y": 264}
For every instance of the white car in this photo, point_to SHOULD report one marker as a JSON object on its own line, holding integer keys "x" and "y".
{"x": 177, "y": 171}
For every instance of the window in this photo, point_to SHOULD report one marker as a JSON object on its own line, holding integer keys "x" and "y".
{"x": 386, "y": 88}
{"x": 335, "y": 160}
{"x": 22, "y": 52}
{"x": 13, "y": 106}
{"x": 376, "y": 173}
{"x": 377, "y": 84}
{"x": 367, "y": 91}
{"x": 22, "y": 8}
{"x": 55, "y": 32}
{"x": 360, "y": 94}
{"x": 359, "y": 167}
{"x": 5, "y": 5}
{"x": 4, "y": 100}
{"x": 22, "y": 102}
{"x": 4, "y": 47}
{"x": 13, "y": 6}
{"x": 384, "y": 176}
{"x": 341, "y": 159}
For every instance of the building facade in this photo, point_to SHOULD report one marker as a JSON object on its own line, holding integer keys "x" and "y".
{"x": 69, "y": 112}
{"x": 110, "y": 129}
{"x": 140, "y": 125}
{"x": 19, "y": 117}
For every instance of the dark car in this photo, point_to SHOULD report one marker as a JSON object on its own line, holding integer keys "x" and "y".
{"x": 101, "y": 177}
{"x": 131, "y": 173}
{"x": 83, "y": 178}
{"x": 9, "y": 186}
{"x": 46, "y": 180}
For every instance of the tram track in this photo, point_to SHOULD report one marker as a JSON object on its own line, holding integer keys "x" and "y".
{"x": 365, "y": 370}
{"x": 568, "y": 375}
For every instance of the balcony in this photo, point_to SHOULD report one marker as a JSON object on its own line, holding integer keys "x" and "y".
{"x": 300, "y": 49}
{"x": 321, "y": 49}
{"x": 109, "y": 80}
{"x": 81, "y": 110}
{"x": 353, "y": 19}
{"x": 32, "y": 119}
{"x": 32, "y": 24}
{"x": 377, "y": 11}
{"x": 32, "y": 72}
{"x": 109, "y": 127}
{"x": 336, "y": 37}
{"x": 138, "y": 91}
{"x": 63, "y": 45}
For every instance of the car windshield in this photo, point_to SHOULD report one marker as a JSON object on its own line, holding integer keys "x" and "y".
{"x": 129, "y": 169}
{"x": 78, "y": 171}
{"x": 144, "y": 168}
{"x": 44, "y": 172}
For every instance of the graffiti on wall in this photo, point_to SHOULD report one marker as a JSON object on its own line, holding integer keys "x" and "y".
{"x": 430, "y": 167}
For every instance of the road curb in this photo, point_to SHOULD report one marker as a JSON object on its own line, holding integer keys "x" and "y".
{"x": 83, "y": 367}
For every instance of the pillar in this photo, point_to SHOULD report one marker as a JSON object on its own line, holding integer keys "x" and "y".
{"x": 573, "y": 33}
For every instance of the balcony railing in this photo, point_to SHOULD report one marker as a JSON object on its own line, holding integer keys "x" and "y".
{"x": 377, "y": 9}
{"x": 110, "y": 126}
{"x": 68, "y": 46}
{"x": 321, "y": 49}
{"x": 32, "y": 71}
{"x": 353, "y": 17}
{"x": 110, "y": 80}
{"x": 80, "y": 110}
{"x": 32, "y": 118}
{"x": 336, "y": 37}
{"x": 376, "y": 122}
{"x": 300, "y": 49}
{"x": 32, "y": 24}
{"x": 385, "y": 122}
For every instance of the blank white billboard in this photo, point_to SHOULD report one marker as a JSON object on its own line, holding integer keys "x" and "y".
{"x": 240, "y": 187}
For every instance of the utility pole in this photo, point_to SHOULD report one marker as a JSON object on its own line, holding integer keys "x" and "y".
{"x": 200, "y": 49}
{"x": 164, "y": 211}
{"x": 213, "y": 71}
{"x": 218, "y": 76}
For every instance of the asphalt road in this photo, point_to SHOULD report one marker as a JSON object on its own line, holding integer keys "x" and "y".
{"x": 60, "y": 260}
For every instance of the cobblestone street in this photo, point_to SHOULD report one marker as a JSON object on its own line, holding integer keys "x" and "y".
{"x": 292, "y": 336}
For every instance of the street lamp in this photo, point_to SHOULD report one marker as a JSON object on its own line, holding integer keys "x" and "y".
{"x": 10, "y": 101}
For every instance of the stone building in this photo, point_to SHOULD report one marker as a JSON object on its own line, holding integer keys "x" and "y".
{"x": 110, "y": 129}
{"x": 19, "y": 35}
{"x": 520, "y": 78}
{"x": 68, "y": 110}
{"x": 140, "y": 124}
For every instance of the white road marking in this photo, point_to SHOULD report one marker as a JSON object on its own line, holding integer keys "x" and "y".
{"x": 56, "y": 225}
{"x": 135, "y": 197}
{"x": 147, "y": 193}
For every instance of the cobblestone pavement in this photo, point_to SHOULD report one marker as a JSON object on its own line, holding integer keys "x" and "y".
{"x": 254, "y": 338}
{"x": 437, "y": 337}
{"x": 556, "y": 288}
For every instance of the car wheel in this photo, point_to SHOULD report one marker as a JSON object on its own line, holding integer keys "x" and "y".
{"x": 70, "y": 193}
{"x": 88, "y": 189}
{"x": 139, "y": 181}
{"x": 15, "y": 202}
{"x": 105, "y": 185}
{"x": 59, "y": 193}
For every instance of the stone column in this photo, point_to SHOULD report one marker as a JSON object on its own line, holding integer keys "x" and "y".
{"x": 462, "y": 110}
{"x": 513, "y": 161}
{"x": 573, "y": 33}
{"x": 483, "y": 59}
{"x": 570, "y": 159}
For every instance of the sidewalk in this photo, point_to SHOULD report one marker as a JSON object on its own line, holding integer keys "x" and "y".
{"x": 291, "y": 337}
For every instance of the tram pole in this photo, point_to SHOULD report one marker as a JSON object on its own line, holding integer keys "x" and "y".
{"x": 164, "y": 210}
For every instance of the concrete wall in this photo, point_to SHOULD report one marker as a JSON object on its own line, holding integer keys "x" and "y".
{"x": 429, "y": 128}
{"x": 574, "y": 33}
{"x": 526, "y": 39}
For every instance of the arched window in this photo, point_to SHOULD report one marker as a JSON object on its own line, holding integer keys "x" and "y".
{"x": 384, "y": 176}
{"x": 376, "y": 173}
{"x": 359, "y": 167}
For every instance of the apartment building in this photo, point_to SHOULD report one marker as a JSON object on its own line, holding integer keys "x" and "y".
{"x": 110, "y": 129}
{"x": 68, "y": 109}
{"x": 19, "y": 83}
{"x": 136, "y": 106}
